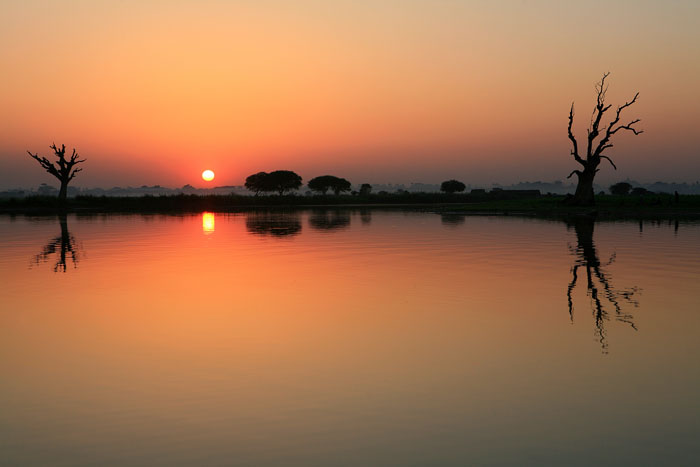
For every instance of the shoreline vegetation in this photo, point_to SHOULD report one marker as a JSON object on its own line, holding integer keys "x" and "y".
{"x": 651, "y": 206}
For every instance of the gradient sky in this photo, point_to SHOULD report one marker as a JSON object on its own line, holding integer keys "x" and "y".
{"x": 153, "y": 92}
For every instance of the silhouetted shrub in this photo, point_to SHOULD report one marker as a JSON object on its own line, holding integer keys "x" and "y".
{"x": 452, "y": 186}
{"x": 621, "y": 188}
{"x": 639, "y": 191}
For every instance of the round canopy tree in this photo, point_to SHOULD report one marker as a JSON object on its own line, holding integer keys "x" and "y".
{"x": 452, "y": 186}
{"x": 329, "y": 182}
{"x": 282, "y": 181}
{"x": 621, "y": 188}
{"x": 256, "y": 182}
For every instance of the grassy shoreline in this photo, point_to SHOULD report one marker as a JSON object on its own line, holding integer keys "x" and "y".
{"x": 552, "y": 206}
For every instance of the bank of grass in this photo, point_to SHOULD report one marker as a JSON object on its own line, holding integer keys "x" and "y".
{"x": 198, "y": 203}
{"x": 607, "y": 206}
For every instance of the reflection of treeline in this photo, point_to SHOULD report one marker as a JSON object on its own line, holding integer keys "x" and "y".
{"x": 289, "y": 223}
{"x": 329, "y": 219}
{"x": 274, "y": 224}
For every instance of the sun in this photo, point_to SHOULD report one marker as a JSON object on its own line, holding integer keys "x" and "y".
{"x": 208, "y": 175}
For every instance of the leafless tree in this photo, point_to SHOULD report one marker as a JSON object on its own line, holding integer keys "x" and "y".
{"x": 595, "y": 150}
{"x": 63, "y": 169}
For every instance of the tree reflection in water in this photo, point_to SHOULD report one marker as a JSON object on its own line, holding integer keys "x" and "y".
{"x": 274, "y": 224}
{"x": 605, "y": 298}
{"x": 329, "y": 219}
{"x": 366, "y": 216}
{"x": 452, "y": 220}
{"x": 64, "y": 246}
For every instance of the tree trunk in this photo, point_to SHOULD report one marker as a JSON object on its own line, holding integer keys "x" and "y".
{"x": 65, "y": 239}
{"x": 584, "y": 189}
{"x": 63, "y": 193}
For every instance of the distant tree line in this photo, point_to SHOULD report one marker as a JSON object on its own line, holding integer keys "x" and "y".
{"x": 284, "y": 181}
{"x": 625, "y": 188}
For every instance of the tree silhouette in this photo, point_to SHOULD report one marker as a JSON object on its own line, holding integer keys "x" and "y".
{"x": 329, "y": 182}
{"x": 365, "y": 189}
{"x": 63, "y": 169}
{"x": 282, "y": 181}
{"x": 452, "y": 186}
{"x": 256, "y": 182}
{"x": 600, "y": 289}
{"x": 621, "y": 188}
{"x": 63, "y": 246}
{"x": 595, "y": 150}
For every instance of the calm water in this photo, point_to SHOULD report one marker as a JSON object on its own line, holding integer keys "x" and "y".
{"x": 348, "y": 338}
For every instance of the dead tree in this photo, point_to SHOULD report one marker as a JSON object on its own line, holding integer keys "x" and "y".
{"x": 595, "y": 150}
{"x": 63, "y": 169}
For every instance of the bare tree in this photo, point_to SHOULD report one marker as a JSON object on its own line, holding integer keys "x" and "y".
{"x": 595, "y": 150}
{"x": 63, "y": 169}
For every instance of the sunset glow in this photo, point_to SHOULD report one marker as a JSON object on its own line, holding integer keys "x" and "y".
{"x": 388, "y": 91}
{"x": 313, "y": 232}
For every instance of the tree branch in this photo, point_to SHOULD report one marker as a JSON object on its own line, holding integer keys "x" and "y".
{"x": 609, "y": 160}
{"x": 574, "y": 151}
{"x": 628, "y": 127}
{"x": 598, "y": 111}
{"x": 46, "y": 165}
{"x": 612, "y": 129}
{"x": 72, "y": 175}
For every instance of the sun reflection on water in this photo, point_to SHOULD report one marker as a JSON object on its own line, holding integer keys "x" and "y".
{"x": 208, "y": 222}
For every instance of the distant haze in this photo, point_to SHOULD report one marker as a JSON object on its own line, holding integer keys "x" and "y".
{"x": 381, "y": 92}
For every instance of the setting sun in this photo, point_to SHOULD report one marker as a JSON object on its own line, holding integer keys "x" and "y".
{"x": 208, "y": 175}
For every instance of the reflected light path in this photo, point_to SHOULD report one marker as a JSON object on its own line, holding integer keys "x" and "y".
{"x": 208, "y": 222}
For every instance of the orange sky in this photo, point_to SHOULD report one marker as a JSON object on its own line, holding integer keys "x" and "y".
{"x": 153, "y": 92}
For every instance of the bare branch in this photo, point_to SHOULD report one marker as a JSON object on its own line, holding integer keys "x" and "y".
{"x": 612, "y": 128}
{"x": 72, "y": 175}
{"x": 609, "y": 160}
{"x": 598, "y": 112}
{"x": 574, "y": 151}
{"x": 577, "y": 172}
{"x": 628, "y": 127}
{"x": 46, "y": 164}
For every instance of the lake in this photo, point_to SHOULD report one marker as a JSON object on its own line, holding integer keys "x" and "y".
{"x": 348, "y": 337}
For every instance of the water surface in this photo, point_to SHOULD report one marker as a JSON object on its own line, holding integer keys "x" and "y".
{"x": 343, "y": 337}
